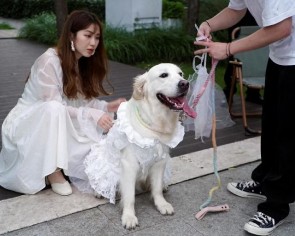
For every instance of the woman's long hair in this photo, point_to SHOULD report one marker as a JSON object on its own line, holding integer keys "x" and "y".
{"x": 93, "y": 70}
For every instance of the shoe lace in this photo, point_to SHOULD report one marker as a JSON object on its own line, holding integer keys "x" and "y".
{"x": 263, "y": 219}
{"x": 249, "y": 184}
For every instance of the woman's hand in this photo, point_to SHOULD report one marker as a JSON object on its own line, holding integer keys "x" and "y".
{"x": 105, "y": 122}
{"x": 216, "y": 50}
{"x": 114, "y": 105}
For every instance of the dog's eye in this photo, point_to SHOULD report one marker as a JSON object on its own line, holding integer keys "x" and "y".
{"x": 181, "y": 74}
{"x": 164, "y": 75}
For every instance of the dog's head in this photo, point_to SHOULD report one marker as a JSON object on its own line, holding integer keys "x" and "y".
{"x": 164, "y": 84}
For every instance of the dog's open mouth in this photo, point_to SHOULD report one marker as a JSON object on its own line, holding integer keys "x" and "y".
{"x": 177, "y": 103}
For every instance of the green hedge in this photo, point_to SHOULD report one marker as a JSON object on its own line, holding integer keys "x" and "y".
{"x": 19, "y": 9}
{"x": 169, "y": 45}
{"x": 173, "y": 9}
{"x": 41, "y": 28}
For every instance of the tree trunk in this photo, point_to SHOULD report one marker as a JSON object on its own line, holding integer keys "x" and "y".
{"x": 61, "y": 12}
{"x": 192, "y": 16}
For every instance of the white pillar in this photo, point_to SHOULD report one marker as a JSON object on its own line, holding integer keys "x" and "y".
{"x": 133, "y": 14}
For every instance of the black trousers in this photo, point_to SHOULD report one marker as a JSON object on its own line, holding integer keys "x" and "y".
{"x": 276, "y": 172}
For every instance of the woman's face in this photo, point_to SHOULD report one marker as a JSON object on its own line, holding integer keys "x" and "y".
{"x": 86, "y": 41}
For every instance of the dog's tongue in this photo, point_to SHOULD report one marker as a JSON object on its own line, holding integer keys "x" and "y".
{"x": 185, "y": 107}
{"x": 188, "y": 110}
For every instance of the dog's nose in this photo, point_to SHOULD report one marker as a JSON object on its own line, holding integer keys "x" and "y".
{"x": 183, "y": 85}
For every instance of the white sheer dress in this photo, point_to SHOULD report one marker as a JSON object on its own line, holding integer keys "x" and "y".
{"x": 45, "y": 130}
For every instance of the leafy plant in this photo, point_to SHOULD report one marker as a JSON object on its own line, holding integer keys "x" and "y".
{"x": 41, "y": 28}
{"x": 19, "y": 9}
{"x": 148, "y": 45}
{"x": 173, "y": 9}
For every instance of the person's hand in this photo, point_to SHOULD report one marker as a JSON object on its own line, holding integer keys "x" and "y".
{"x": 216, "y": 50}
{"x": 105, "y": 122}
{"x": 205, "y": 30}
{"x": 114, "y": 105}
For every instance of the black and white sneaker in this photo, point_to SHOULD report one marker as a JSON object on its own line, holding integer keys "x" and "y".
{"x": 261, "y": 224}
{"x": 249, "y": 189}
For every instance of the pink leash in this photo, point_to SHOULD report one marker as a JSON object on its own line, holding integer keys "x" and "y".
{"x": 204, "y": 209}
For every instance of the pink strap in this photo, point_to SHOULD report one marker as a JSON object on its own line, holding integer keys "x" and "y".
{"x": 211, "y": 76}
{"x": 203, "y": 212}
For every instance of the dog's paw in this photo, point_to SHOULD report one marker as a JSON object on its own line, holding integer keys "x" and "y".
{"x": 129, "y": 221}
{"x": 165, "y": 189}
{"x": 165, "y": 208}
{"x": 97, "y": 195}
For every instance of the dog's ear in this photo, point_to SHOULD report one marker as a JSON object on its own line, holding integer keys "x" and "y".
{"x": 138, "y": 85}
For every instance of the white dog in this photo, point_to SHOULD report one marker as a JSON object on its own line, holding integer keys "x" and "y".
{"x": 135, "y": 152}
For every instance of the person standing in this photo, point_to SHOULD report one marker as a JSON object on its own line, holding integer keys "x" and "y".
{"x": 273, "y": 179}
{"x": 58, "y": 116}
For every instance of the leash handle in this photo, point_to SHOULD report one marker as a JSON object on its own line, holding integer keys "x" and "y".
{"x": 220, "y": 208}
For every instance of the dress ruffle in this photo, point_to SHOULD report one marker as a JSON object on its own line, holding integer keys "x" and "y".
{"x": 133, "y": 136}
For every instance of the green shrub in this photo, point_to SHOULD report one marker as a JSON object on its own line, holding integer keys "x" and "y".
{"x": 208, "y": 9}
{"x": 169, "y": 45}
{"x": 41, "y": 28}
{"x": 19, "y": 9}
{"x": 173, "y": 9}
{"x": 96, "y": 6}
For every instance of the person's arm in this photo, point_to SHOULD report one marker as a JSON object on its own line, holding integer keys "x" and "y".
{"x": 263, "y": 37}
{"x": 104, "y": 120}
{"x": 46, "y": 79}
{"x": 258, "y": 39}
{"x": 226, "y": 18}
{"x": 111, "y": 106}
{"x": 223, "y": 20}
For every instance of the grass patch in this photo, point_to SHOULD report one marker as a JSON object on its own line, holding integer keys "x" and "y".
{"x": 5, "y": 26}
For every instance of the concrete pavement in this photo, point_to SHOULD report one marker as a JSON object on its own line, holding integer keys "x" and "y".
{"x": 186, "y": 197}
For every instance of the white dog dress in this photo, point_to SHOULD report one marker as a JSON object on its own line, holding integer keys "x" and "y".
{"x": 103, "y": 164}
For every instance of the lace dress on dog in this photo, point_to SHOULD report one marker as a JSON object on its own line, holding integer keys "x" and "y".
{"x": 103, "y": 164}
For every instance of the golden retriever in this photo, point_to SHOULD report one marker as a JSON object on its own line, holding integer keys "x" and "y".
{"x": 135, "y": 152}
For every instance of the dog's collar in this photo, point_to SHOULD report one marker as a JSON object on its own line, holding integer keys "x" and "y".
{"x": 146, "y": 124}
